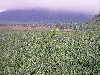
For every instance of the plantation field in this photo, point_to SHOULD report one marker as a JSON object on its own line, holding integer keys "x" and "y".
{"x": 32, "y": 52}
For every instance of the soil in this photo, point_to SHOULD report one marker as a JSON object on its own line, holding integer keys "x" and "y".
{"x": 32, "y": 28}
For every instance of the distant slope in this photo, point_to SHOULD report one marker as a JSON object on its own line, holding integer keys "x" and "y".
{"x": 42, "y": 15}
{"x": 95, "y": 20}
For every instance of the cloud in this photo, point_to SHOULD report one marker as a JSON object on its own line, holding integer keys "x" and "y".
{"x": 92, "y": 6}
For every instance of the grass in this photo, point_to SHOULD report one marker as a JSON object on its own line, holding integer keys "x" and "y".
{"x": 27, "y": 52}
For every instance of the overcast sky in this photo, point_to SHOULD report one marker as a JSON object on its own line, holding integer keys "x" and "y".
{"x": 90, "y": 6}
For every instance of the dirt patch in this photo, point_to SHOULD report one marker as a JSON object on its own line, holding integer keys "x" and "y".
{"x": 32, "y": 28}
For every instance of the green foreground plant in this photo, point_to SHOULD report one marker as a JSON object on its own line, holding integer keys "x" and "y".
{"x": 49, "y": 53}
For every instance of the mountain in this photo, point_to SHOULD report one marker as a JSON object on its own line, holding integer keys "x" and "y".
{"x": 42, "y": 15}
{"x": 95, "y": 20}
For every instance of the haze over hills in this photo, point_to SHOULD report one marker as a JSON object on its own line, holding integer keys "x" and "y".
{"x": 43, "y": 15}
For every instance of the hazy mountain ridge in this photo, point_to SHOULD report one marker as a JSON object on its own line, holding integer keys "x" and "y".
{"x": 42, "y": 15}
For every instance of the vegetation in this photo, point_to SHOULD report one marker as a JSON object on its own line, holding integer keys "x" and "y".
{"x": 95, "y": 20}
{"x": 26, "y": 52}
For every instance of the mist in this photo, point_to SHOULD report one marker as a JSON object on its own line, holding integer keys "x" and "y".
{"x": 84, "y": 6}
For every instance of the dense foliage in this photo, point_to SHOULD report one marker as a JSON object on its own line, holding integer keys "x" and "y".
{"x": 49, "y": 52}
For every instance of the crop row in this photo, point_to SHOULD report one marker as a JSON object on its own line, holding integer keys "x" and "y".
{"x": 49, "y": 52}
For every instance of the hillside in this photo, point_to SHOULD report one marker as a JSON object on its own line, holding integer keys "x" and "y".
{"x": 95, "y": 20}
{"x": 43, "y": 15}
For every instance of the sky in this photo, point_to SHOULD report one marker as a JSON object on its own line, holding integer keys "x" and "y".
{"x": 86, "y": 6}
